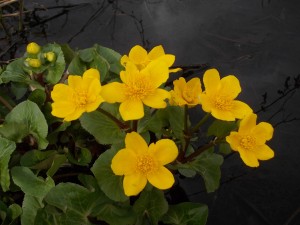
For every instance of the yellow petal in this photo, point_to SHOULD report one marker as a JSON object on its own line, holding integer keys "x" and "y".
{"x": 124, "y": 60}
{"x": 133, "y": 184}
{"x": 138, "y": 55}
{"x": 240, "y": 109}
{"x": 91, "y": 73}
{"x": 247, "y": 123}
{"x": 156, "y": 99}
{"x": 136, "y": 143}
{"x": 62, "y": 108}
{"x": 176, "y": 99}
{"x": 75, "y": 82}
{"x": 206, "y": 103}
{"x": 194, "y": 85}
{"x": 179, "y": 85}
{"x": 230, "y": 87}
{"x": 94, "y": 87}
{"x": 124, "y": 162}
{"x": 62, "y": 92}
{"x": 164, "y": 151}
{"x": 132, "y": 110}
{"x": 92, "y": 106}
{"x": 233, "y": 140}
{"x": 263, "y": 131}
{"x": 158, "y": 72}
{"x": 113, "y": 92}
{"x": 222, "y": 115}
{"x": 249, "y": 158}
{"x": 75, "y": 115}
{"x": 175, "y": 70}
{"x": 263, "y": 152}
{"x": 162, "y": 178}
{"x": 156, "y": 52}
{"x": 131, "y": 70}
{"x": 167, "y": 59}
{"x": 211, "y": 80}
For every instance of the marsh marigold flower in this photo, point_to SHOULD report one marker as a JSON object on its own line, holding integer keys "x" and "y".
{"x": 186, "y": 93}
{"x": 140, "y": 163}
{"x": 33, "y": 48}
{"x": 250, "y": 140}
{"x": 138, "y": 88}
{"x": 81, "y": 94}
{"x": 218, "y": 97}
{"x": 140, "y": 58}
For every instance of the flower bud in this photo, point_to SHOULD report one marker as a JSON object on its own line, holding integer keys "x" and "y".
{"x": 50, "y": 56}
{"x": 33, "y": 48}
{"x": 34, "y": 62}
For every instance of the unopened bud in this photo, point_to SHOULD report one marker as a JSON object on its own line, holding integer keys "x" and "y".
{"x": 33, "y": 48}
{"x": 50, "y": 56}
{"x": 34, "y": 62}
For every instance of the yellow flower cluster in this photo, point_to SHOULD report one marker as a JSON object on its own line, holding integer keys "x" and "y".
{"x": 34, "y": 57}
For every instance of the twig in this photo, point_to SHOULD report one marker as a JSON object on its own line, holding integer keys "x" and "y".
{"x": 5, "y": 103}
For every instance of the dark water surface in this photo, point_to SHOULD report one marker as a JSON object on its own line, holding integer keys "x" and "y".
{"x": 258, "y": 41}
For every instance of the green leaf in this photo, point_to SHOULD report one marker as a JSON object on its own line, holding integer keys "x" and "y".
{"x": 38, "y": 96}
{"x": 187, "y": 172}
{"x": 186, "y": 213}
{"x": 102, "y": 128}
{"x": 7, "y": 147}
{"x": 35, "y": 189}
{"x": 14, "y": 211}
{"x": 25, "y": 119}
{"x": 19, "y": 90}
{"x": 208, "y": 164}
{"x": 58, "y": 160}
{"x": 224, "y": 148}
{"x": 69, "y": 54}
{"x": 76, "y": 203}
{"x": 55, "y": 69}
{"x": 109, "y": 183}
{"x": 53, "y": 136}
{"x": 221, "y": 128}
{"x": 15, "y": 72}
{"x": 77, "y": 67}
{"x": 87, "y": 55}
{"x": 151, "y": 206}
{"x": 35, "y": 158}
{"x": 83, "y": 157}
{"x": 100, "y": 64}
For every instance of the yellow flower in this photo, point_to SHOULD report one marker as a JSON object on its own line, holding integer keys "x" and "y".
{"x": 82, "y": 94}
{"x": 140, "y": 58}
{"x": 50, "y": 56}
{"x": 218, "y": 97}
{"x": 35, "y": 63}
{"x": 33, "y": 48}
{"x": 138, "y": 88}
{"x": 140, "y": 163}
{"x": 250, "y": 141}
{"x": 186, "y": 93}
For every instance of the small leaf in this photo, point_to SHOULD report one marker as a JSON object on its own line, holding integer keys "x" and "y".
{"x": 109, "y": 183}
{"x": 76, "y": 67}
{"x": 224, "y": 148}
{"x": 187, "y": 213}
{"x": 83, "y": 157}
{"x": 102, "y": 128}
{"x": 38, "y": 96}
{"x": 15, "y": 72}
{"x": 151, "y": 205}
{"x": 221, "y": 128}
{"x": 7, "y": 147}
{"x": 86, "y": 55}
{"x": 34, "y": 157}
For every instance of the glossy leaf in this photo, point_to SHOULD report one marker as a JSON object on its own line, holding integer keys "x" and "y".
{"x": 221, "y": 128}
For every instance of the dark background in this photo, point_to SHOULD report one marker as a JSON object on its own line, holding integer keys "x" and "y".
{"x": 257, "y": 40}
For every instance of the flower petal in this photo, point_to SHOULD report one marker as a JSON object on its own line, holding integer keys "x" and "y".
{"x": 156, "y": 99}
{"x": 174, "y": 70}
{"x": 249, "y": 158}
{"x": 167, "y": 59}
{"x": 136, "y": 143}
{"x": 113, "y": 92}
{"x": 133, "y": 184}
{"x": 240, "y": 109}
{"x": 92, "y": 106}
{"x": 234, "y": 140}
{"x": 132, "y": 110}
{"x": 164, "y": 151}
{"x": 263, "y": 152}
{"x": 138, "y": 55}
{"x": 124, "y": 162}
{"x": 156, "y": 52}
{"x": 94, "y": 88}
{"x": 158, "y": 72}
{"x": 230, "y": 87}
{"x": 206, "y": 102}
{"x": 247, "y": 123}
{"x": 91, "y": 73}
{"x": 62, "y": 108}
{"x": 194, "y": 85}
{"x": 263, "y": 131}
{"x": 222, "y": 115}
{"x": 162, "y": 178}
{"x": 124, "y": 60}
{"x": 211, "y": 80}
{"x": 75, "y": 115}
{"x": 62, "y": 92}
{"x": 75, "y": 82}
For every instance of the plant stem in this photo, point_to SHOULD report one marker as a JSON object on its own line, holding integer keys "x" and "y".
{"x": 200, "y": 123}
{"x": 186, "y": 134}
{"x": 134, "y": 125}
{"x": 113, "y": 118}
{"x": 5, "y": 103}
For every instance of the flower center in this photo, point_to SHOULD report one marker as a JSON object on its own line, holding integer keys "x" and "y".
{"x": 80, "y": 98}
{"x": 248, "y": 142}
{"x": 146, "y": 164}
{"x": 139, "y": 88}
{"x": 222, "y": 103}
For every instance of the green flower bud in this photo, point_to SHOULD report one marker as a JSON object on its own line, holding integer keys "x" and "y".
{"x": 33, "y": 48}
{"x": 50, "y": 56}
